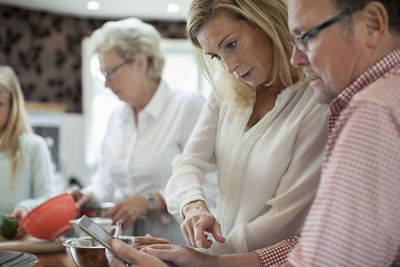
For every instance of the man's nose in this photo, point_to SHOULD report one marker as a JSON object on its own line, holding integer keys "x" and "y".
{"x": 298, "y": 58}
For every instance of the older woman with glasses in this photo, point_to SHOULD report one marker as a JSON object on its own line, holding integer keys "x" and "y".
{"x": 144, "y": 134}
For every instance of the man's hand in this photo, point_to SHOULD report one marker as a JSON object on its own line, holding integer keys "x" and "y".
{"x": 143, "y": 241}
{"x": 130, "y": 254}
{"x": 198, "y": 219}
{"x": 181, "y": 256}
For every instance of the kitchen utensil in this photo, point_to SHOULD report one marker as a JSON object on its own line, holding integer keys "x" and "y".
{"x": 12, "y": 258}
{"x": 50, "y": 220}
{"x": 86, "y": 252}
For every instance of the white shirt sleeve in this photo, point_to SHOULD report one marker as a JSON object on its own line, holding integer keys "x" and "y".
{"x": 197, "y": 159}
{"x": 36, "y": 151}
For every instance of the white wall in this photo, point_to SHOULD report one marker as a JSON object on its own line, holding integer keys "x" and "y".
{"x": 71, "y": 144}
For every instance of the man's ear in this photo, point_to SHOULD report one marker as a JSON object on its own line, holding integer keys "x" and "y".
{"x": 375, "y": 23}
{"x": 142, "y": 63}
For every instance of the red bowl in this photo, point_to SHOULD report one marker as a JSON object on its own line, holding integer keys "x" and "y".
{"x": 50, "y": 219}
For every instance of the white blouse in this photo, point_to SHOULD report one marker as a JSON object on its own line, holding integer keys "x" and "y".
{"x": 136, "y": 155}
{"x": 267, "y": 175}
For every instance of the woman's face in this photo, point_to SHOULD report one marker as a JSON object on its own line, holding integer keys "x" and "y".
{"x": 4, "y": 111}
{"x": 242, "y": 49}
{"x": 124, "y": 77}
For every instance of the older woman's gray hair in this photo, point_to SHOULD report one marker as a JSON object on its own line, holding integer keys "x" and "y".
{"x": 131, "y": 37}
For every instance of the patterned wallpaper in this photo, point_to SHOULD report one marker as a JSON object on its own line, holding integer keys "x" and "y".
{"x": 45, "y": 51}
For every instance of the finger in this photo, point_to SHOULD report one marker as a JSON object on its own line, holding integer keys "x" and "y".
{"x": 150, "y": 240}
{"x": 216, "y": 231}
{"x": 184, "y": 233}
{"x": 161, "y": 246}
{"x": 129, "y": 221}
{"x": 188, "y": 232}
{"x": 109, "y": 212}
{"x": 124, "y": 251}
{"x": 119, "y": 215}
{"x": 200, "y": 237}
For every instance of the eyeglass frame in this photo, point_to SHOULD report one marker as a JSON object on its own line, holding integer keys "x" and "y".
{"x": 110, "y": 73}
{"x": 300, "y": 41}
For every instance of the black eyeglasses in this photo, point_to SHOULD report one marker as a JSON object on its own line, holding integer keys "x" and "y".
{"x": 300, "y": 41}
{"x": 109, "y": 73}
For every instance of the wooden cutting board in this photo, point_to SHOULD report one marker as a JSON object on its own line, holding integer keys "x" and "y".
{"x": 32, "y": 246}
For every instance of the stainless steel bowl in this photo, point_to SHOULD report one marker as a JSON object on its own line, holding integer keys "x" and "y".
{"x": 87, "y": 252}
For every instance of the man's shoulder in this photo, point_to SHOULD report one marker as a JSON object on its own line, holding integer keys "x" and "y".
{"x": 384, "y": 91}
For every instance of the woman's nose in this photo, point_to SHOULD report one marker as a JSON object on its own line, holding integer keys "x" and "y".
{"x": 230, "y": 64}
{"x": 107, "y": 82}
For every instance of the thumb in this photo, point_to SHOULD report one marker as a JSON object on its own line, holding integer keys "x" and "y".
{"x": 216, "y": 232}
{"x": 123, "y": 251}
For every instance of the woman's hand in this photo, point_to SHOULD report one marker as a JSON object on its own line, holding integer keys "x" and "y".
{"x": 127, "y": 211}
{"x": 180, "y": 256}
{"x": 80, "y": 199}
{"x": 19, "y": 213}
{"x": 130, "y": 254}
{"x": 144, "y": 241}
{"x": 198, "y": 219}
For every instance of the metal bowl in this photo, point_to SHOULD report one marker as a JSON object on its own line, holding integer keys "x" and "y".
{"x": 87, "y": 252}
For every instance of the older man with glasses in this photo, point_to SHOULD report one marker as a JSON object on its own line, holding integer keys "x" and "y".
{"x": 350, "y": 50}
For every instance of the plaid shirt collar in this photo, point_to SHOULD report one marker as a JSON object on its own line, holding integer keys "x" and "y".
{"x": 368, "y": 77}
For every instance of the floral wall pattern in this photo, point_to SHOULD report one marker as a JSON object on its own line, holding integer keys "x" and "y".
{"x": 45, "y": 51}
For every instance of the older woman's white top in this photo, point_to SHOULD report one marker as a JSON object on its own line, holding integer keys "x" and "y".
{"x": 136, "y": 155}
{"x": 267, "y": 174}
{"x": 33, "y": 182}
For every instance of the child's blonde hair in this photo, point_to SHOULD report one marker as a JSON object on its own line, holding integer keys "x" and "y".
{"x": 16, "y": 123}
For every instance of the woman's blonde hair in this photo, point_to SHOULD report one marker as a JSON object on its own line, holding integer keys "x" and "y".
{"x": 16, "y": 123}
{"x": 128, "y": 38}
{"x": 271, "y": 16}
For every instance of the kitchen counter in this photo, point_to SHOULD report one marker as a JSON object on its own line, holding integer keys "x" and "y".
{"x": 55, "y": 259}
{"x": 50, "y": 253}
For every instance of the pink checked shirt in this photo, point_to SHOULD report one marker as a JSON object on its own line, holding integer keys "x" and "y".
{"x": 355, "y": 217}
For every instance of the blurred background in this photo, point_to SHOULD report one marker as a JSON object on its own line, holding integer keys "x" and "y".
{"x": 47, "y": 43}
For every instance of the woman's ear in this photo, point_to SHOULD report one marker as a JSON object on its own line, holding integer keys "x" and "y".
{"x": 142, "y": 63}
{"x": 375, "y": 23}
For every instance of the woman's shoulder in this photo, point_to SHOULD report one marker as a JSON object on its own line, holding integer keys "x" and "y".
{"x": 31, "y": 141}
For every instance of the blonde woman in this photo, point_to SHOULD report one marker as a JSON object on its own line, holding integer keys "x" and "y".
{"x": 25, "y": 164}
{"x": 260, "y": 129}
